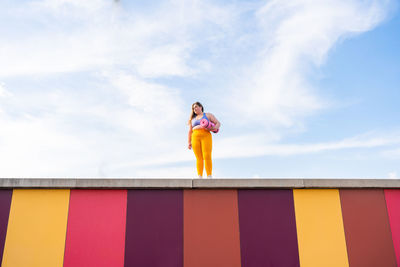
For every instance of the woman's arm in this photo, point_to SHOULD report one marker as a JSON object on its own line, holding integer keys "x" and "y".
{"x": 190, "y": 136}
{"x": 214, "y": 120}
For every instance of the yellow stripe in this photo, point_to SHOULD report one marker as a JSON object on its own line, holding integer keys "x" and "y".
{"x": 36, "y": 228}
{"x": 320, "y": 229}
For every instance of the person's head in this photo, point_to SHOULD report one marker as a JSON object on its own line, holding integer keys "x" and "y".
{"x": 197, "y": 108}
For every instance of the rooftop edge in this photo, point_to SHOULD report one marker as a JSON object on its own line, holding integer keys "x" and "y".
{"x": 117, "y": 183}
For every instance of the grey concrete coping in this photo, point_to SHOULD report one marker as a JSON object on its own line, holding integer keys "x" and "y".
{"x": 94, "y": 183}
{"x": 195, "y": 183}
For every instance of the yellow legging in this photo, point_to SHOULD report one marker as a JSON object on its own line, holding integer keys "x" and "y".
{"x": 202, "y": 146}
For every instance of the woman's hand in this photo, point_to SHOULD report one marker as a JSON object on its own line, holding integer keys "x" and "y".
{"x": 215, "y": 121}
{"x": 190, "y": 146}
{"x": 214, "y": 128}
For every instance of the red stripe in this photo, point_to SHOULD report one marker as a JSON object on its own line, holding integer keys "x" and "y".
{"x": 393, "y": 205}
{"x": 96, "y": 228}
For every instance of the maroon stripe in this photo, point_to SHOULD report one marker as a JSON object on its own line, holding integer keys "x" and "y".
{"x": 267, "y": 226}
{"x": 154, "y": 228}
{"x": 5, "y": 203}
{"x": 367, "y": 228}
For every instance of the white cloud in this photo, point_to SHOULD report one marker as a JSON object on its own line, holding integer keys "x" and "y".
{"x": 153, "y": 107}
{"x": 126, "y": 118}
{"x": 393, "y": 153}
{"x": 255, "y": 145}
{"x": 392, "y": 175}
{"x": 63, "y": 133}
{"x": 3, "y": 94}
{"x": 3, "y": 91}
{"x": 296, "y": 36}
{"x": 63, "y": 5}
{"x": 105, "y": 34}
{"x": 32, "y": 148}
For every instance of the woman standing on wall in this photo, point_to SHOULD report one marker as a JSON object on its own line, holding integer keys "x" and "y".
{"x": 200, "y": 138}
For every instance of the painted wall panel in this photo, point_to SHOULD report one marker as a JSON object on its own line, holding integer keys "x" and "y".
{"x": 197, "y": 227}
{"x": 96, "y": 228}
{"x": 267, "y": 228}
{"x": 37, "y": 228}
{"x": 154, "y": 228}
{"x": 211, "y": 228}
{"x": 5, "y": 202}
{"x": 366, "y": 223}
{"x": 321, "y": 238}
{"x": 392, "y": 197}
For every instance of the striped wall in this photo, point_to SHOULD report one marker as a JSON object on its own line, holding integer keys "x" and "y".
{"x": 200, "y": 227}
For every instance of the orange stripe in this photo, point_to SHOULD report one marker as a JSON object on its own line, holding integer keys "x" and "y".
{"x": 320, "y": 229}
{"x": 37, "y": 228}
{"x": 211, "y": 228}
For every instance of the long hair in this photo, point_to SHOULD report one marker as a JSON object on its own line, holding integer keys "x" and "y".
{"x": 192, "y": 114}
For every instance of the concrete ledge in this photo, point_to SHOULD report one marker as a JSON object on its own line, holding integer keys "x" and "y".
{"x": 196, "y": 183}
{"x": 248, "y": 183}
{"x": 95, "y": 183}
{"x": 351, "y": 183}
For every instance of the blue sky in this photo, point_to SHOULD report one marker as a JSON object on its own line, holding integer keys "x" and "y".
{"x": 303, "y": 89}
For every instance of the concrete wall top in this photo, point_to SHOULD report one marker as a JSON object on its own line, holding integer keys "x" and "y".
{"x": 195, "y": 183}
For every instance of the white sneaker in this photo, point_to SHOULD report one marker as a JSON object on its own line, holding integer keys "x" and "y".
{"x": 209, "y": 176}
{"x": 200, "y": 176}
